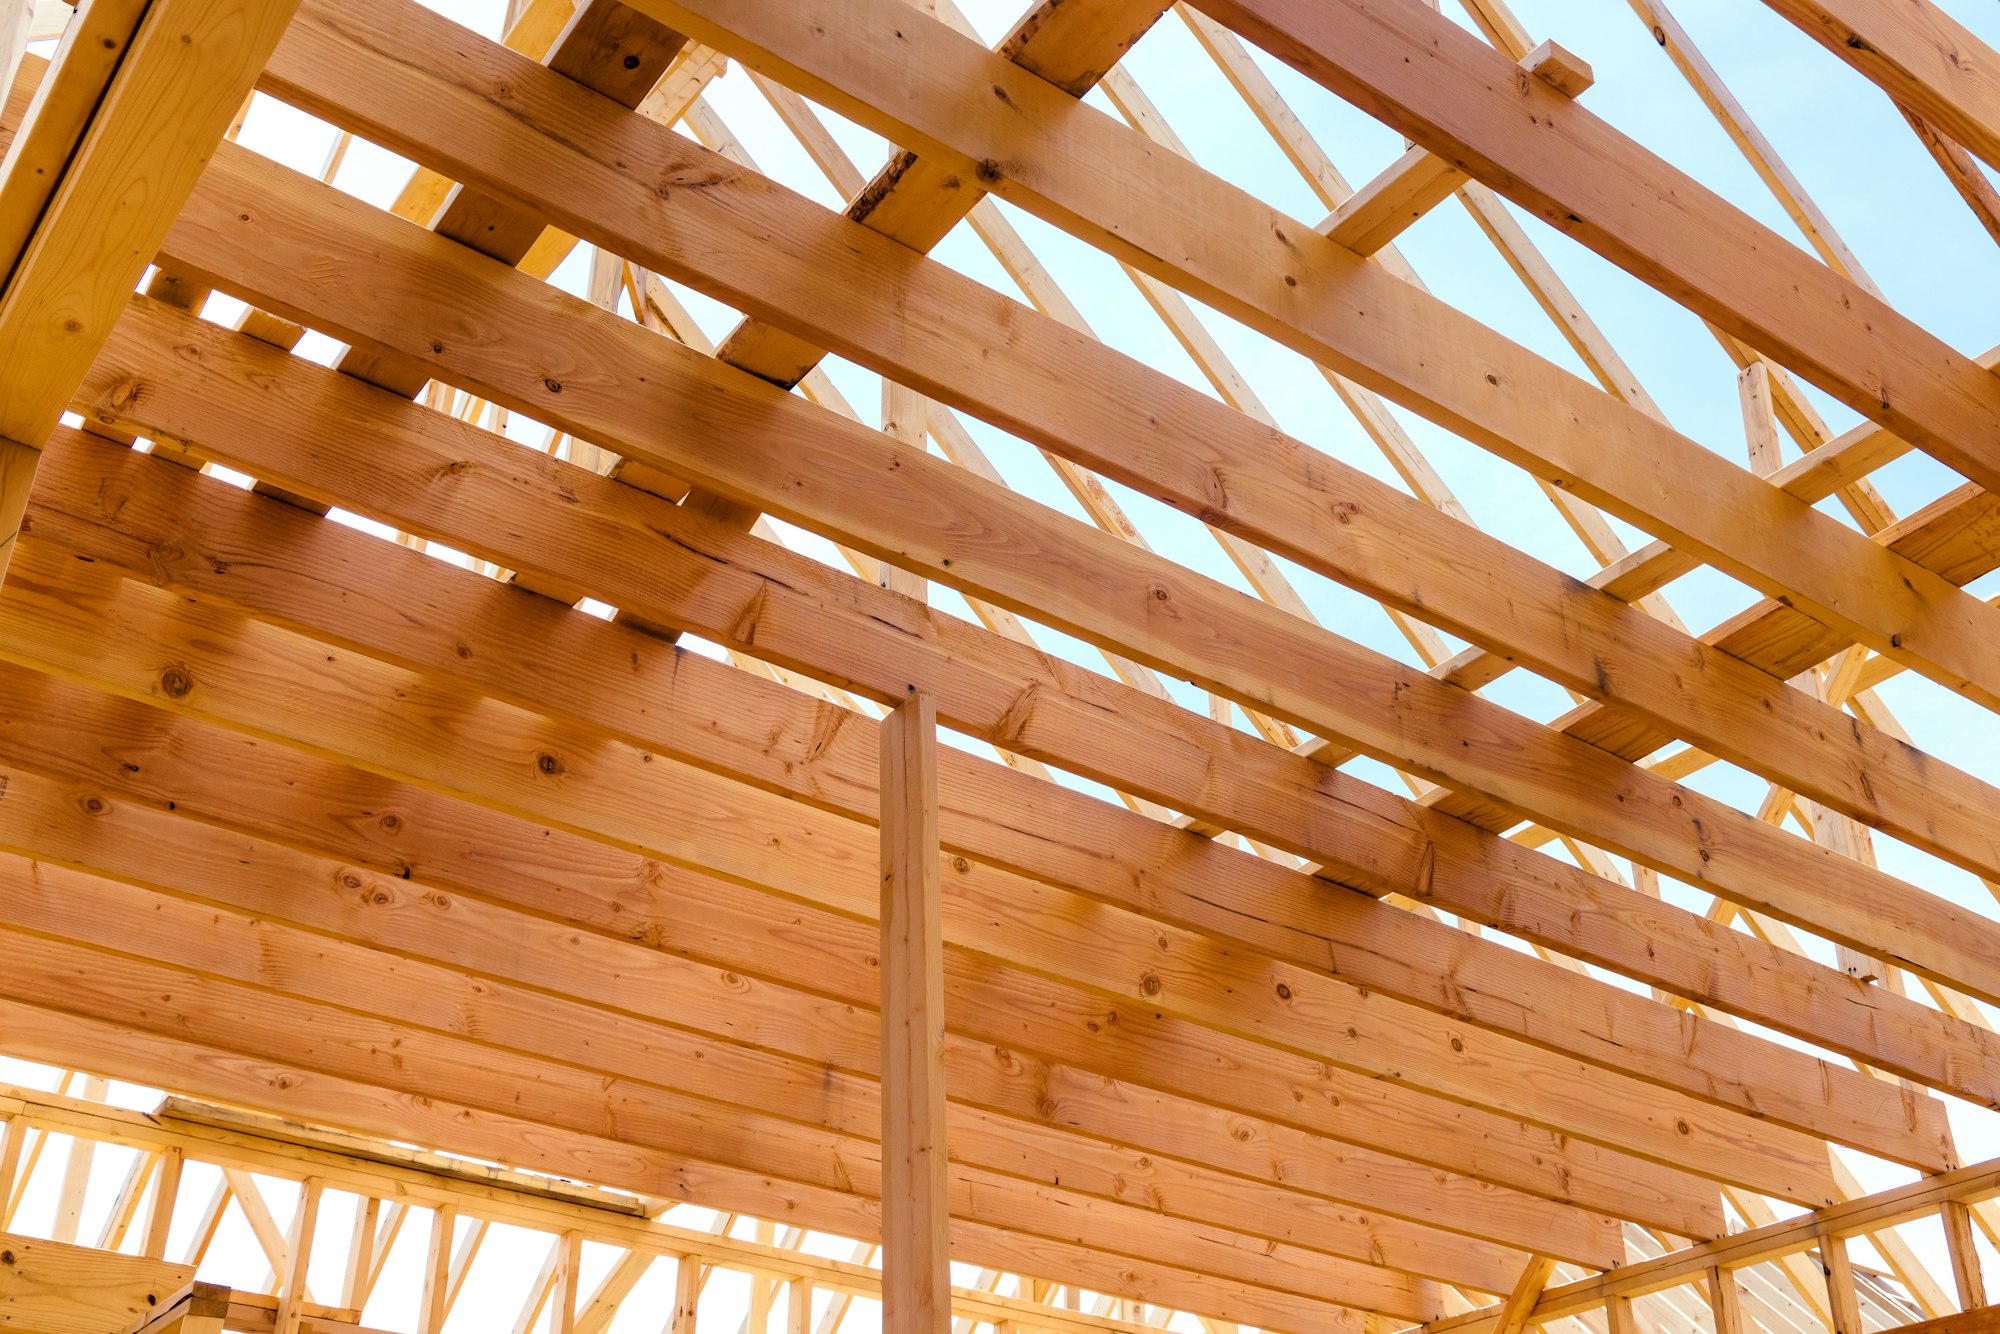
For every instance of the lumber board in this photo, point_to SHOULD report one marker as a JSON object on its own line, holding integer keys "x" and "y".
{"x": 1919, "y": 55}
{"x": 1085, "y": 400}
{"x": 285, "y": 570}
{"x": 136, "y": 101}
{"x": 1283, "y": 279}
{"x": 1444, "y": 88}
{"x": 49, "y": 1287}
{"x": 800, "y": 609}
{"x": 391, "y": 836}
{"x": 916, "y": 1219}
{"x": 1191, "y": 1047}
{"x": 236, "y": 230}
{"x": 250, "y": 1020}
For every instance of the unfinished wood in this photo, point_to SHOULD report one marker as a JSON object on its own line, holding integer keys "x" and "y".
{"x": 1155, "y": 1050}
{"x": 1189, "y": 1189}
{"x": 1963, "y": 1252}
{"x": 648, "y": 1115}
{"x": 1527, "y": 1290}
{"x": 1444, "y": 88}
{"x": 1919, "y": 55}
{"x": 1265, "y": 657}
{"x": 267, "y": 1145}
{"x": 166, "y": 522}
{"x": 129, "y": 146}
{"x": 1279, "y": 492}
{"x": 1081, "y": 733}
{"x": 1742, "y": 1249}
{"x": 1381, "y": 210}
{"x": 1202, "y": 999}
{"x": 47, "y": 1287}
{"x": 916, "y": 1242}
{"x": 1374, "y": 327}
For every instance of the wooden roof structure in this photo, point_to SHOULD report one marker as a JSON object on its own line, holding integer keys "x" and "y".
{"x": 598, "y": 824}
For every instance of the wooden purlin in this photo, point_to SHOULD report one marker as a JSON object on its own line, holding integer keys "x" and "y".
{"x": 916, "y": 201}
{"x": 112, "y": 142}
{"x": 1721, "y": 852}
{"x": 391, "y": 501}
{"x": 1649, "y": 1036}
{"x": 1507, "y": 412}
{"x": 1766, "y": 1100}
{"x": 272, "y": 1147}
{"x": 996, "y": 1003}
{"x": 438, "y": 838}
{"x": 1920, "y": 56}
{"x": 1463, "y": 104}
{"x": 1599, "y": 671}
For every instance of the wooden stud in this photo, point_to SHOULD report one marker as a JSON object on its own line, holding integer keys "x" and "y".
{"x": 1515, "y": 1311}
{"x": 1843, "y": 1301}
{"x": 916, "y": 1246}
{"x": 436, "y": 1300}
{"x": 291, "y": 1291}
{"x": 1966, "y": 1272}
{"x": 687, "y": 1295}
{"x": 166, "y": 1194}
{"x": 1725, "y": 1301}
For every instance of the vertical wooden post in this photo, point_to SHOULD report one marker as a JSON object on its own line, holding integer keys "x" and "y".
{"x": 360, "y": 1253}
{"x": 1618, "y": 1317}
{"x": 798, "y": 1307}
{"x": 1842, "y": 1302}
{"x": 166, "y": 1193}
{"x": 1957, "y": 1218}
{"x": 916, "y": 1273}
{"x": 569, "y": 1277}
{"x": 687, "y": 1292}
{"x": 437, "y": 1271}
{"x": 10, "y": 1151}
{"x": 904, "y": 419}
{"x": 1760, "y": 426}
{"x": 1725, "y": 1302}
{"x": 292, "y": 1283}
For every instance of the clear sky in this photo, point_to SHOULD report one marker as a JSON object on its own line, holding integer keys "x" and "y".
{"x": 1839, "y": 135}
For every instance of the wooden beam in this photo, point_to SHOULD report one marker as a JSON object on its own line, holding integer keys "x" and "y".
{"x": 1093, "y": 1167}
{"x": 1081, "y": 737}
{"x": 178, "y": 518}
{"x": 1449, "y": 91}
{"x": 1767, "y": 1158}
{"x": 1917, "y": 54}
{"x": 273, "y": 1146}
{"x": 1348, "y": 323}
{"x": 52, "y": 1288}
{"x": 1963, "y": 1250}
{"x": 916, "y": 1243}
{"x": 1626, "y": 659}
{"x": 1673, "y": 829}
{"x": 1742, "y": 1249}
{"x": 141, "y": 136}
{"x": 1514, "y": 1312}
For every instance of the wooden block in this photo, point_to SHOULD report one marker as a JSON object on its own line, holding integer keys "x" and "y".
{"x": 1560, "y": 68}
{"x": 53, "y": 1288}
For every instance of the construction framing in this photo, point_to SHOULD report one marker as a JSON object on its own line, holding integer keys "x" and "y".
{"x": 599, "y": 824}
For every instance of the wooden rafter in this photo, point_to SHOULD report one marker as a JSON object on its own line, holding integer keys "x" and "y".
{"x": 478, "y": 851}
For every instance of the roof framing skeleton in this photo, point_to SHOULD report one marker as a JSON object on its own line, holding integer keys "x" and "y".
{"x": 403, "y": 841}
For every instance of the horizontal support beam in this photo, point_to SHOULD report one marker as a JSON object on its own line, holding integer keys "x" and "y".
{"x": 211, "y": 397}
{"x": 1135, "y": 602}
{"x": 1886, "y": 1208}
{"x": 106, "y": 490}
{"x": 269, "y": 1150}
